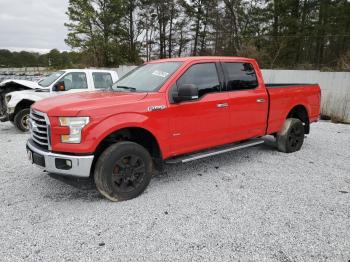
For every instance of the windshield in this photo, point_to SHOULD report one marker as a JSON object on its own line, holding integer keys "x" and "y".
{"x": 47, "y": 81}
{"x": 146, "y": 78}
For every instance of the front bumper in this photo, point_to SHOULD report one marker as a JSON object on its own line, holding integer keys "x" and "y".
{"x": 4, "y": 118}
{"x": 69, "y": 165}
{"x": 7, "y": 114}
{"x": 10, "y": 113}
{"x": 10, "y": 110}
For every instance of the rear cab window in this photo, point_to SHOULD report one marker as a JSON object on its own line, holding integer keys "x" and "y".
{"x": 102, "y": 80}
{"x": 239, "y": 76}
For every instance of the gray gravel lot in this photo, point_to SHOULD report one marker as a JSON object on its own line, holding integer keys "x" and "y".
{"x": 251, "y": 205}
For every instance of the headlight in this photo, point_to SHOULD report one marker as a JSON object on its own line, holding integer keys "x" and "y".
{"x": 76, "y": 125}
{"x": 7, "y": 98}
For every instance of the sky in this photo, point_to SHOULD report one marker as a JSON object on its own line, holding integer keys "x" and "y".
{"x": 33, "y": 25}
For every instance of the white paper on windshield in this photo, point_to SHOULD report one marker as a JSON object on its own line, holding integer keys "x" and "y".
{"x": 160, "y": 73}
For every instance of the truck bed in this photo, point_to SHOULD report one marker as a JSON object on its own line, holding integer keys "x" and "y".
{"x": 282, "y": 85}
{"x": 285, "y": 96}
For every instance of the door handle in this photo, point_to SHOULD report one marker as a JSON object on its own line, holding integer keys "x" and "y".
{"x": 222, "y": 105}
{"x": 260, "y": 100}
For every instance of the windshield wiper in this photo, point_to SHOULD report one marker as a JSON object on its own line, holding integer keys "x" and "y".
{"x": 126, "y": 87}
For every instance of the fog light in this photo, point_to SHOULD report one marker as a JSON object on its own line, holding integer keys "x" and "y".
{"x": 63, "y": 164}
{"x": 69, "y": 163}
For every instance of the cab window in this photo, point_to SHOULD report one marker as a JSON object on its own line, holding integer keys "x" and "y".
{"x": 240, "y": 76}
{"x": 204, "y": 76}
{"x": 74, "y": 80}
{"x": 102, "y": 80}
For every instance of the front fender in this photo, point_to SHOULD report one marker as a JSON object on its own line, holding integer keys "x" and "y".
{"x": 18, "y": 96}
{"x": 97, "y": 130}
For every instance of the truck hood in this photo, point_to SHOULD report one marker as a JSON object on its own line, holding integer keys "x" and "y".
{"x": 72, "y": 104}
{"x": 24, "y": 83}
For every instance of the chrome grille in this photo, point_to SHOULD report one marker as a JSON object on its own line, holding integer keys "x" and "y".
{"x": 40, "y": 129}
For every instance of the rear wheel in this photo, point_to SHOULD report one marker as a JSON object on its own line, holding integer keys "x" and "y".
{"x": 21, "y": 120}
{"x": 291, "y": 137}
{"x": 123, "y": 171}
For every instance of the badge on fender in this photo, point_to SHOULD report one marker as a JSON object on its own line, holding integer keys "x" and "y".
{"x": 156, "y": 108}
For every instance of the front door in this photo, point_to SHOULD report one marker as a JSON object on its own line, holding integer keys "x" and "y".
{"x": 201, "y": 123}
{"x": 74, "y": 82}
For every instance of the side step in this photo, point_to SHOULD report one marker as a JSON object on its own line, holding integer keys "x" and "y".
{"x": 215, "y": 151}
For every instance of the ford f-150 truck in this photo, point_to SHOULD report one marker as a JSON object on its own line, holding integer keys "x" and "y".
{"x": 16, "y": 96}
{"x": 167, "y": 111}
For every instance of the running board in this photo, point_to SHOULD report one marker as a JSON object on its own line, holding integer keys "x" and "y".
{"x": 215, "y": 151}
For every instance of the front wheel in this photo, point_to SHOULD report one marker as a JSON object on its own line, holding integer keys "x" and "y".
{"x": 21, "y": 120}
{"x": 123, "y": 171}
{"x": 291, "y": 137}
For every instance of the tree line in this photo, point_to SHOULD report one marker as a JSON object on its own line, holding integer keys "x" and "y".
{"x": 311, "y": 34}
{"x": 289, "y": 34}
{"x": 54, "y": 59}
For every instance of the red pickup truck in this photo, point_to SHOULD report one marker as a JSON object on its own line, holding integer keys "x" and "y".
{"x": 167, "y": 111}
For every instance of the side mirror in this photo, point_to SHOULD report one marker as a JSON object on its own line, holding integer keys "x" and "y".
{"x": 59, "y": 86}
{"x": 186, "y": 92}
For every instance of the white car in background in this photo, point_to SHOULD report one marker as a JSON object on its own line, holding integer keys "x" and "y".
{"x": 15, "y": 106}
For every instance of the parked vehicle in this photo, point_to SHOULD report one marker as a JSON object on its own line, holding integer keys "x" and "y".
{"x": 16, "y": 96}
{"x": 167, "y": 111}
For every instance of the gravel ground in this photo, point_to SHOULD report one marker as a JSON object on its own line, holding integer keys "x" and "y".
{"x": 255, "y": 204}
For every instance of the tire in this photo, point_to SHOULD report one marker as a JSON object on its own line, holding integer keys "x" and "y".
{"x": 21, "y": 120}
{"x": 291, "y": 137}
{"x": 123, "y": 171}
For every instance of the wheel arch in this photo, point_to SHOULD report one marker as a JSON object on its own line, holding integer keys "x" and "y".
{"x": 136, "y": 134}
{"x": 24, "y": 103}
{"x": 300, "y": 112}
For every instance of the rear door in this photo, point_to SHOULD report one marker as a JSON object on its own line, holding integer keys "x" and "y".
{"x": 200, "y": 123}
{"x": 248, "y": 101}
{"x": 102, "y": 80}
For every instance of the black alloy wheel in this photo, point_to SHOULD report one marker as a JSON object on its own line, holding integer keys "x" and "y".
{"x": 123, "y": 171}
{"x": 291, "y": 137}
{"x": 296, "y": 137}
{"x": 128, "y": 173}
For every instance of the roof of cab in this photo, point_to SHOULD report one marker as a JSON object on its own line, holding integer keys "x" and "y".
{"x": 88, "y": 70}
{"x": 200, "y": 58}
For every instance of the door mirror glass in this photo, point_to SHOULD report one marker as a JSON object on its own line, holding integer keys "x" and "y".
{"x": 59, "y": 86}
{"x": 186, "y": 92}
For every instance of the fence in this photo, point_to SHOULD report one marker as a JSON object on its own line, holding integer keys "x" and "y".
{"x": 121, "y": 70}
{"x": 28, "y": 71}
{"x": 35, "y": 73}
{"x": 335, "y": 87}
